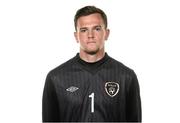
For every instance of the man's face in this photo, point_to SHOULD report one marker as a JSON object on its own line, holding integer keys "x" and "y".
{"x": 91, "y": 33}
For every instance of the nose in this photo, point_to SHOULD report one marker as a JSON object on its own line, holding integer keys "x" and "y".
{"x": 90, "y": 34}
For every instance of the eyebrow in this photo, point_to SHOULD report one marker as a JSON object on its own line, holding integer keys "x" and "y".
{"x": 82, "y": 28}
{"x": 92, "y": 27}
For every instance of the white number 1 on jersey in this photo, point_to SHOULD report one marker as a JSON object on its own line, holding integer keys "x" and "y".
{"x": 92, "y": 102}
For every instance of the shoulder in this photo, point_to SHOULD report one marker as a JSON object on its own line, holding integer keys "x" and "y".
{"x": 62, "y": 68}
{"x": 125, "y": 72}
{"x": 120, "y": 67}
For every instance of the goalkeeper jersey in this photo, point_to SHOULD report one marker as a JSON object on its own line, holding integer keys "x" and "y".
{"x": 103, "y": 91}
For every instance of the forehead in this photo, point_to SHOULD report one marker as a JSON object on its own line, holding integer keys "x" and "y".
{"x": 90, "y": 20}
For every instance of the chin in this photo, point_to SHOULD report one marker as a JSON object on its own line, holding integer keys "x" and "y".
{"x": 92, "y": 52}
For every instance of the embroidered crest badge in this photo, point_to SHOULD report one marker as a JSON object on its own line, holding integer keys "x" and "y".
{"x": 111, "y": 88}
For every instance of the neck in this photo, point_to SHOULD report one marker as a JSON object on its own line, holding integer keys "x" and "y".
{"x": 91, "y": 58}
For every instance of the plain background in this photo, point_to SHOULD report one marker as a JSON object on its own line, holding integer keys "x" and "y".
{"x": 37, "y": 36}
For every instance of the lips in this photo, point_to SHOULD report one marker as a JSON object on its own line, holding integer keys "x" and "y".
{"x": 90, "y": 42}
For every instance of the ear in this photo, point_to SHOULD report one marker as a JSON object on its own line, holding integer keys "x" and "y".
{"x": 107, "y": 34}
{"x": 76, "y": 37}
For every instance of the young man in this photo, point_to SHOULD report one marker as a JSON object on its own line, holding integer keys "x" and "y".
{"x": 91, "y": 86}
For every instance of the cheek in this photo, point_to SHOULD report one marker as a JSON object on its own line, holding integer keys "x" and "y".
{"x": 101, "y": 37}
{"x": 82, "y": 37}
{"x": 82, "y": 40}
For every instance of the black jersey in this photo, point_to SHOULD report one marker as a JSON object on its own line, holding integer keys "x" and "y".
{"x": 77, "y": 91}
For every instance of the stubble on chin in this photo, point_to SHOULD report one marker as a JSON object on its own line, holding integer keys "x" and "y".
{"x": 91, "y": 52}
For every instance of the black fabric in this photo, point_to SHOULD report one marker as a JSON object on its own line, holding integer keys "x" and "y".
{"x": 59, "y": 104}
{"x": 92, "y": 67}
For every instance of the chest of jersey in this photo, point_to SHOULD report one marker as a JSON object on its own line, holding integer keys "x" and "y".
{"x": 84, "y": 96}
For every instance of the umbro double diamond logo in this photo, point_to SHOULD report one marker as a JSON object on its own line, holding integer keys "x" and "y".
{"x": 72, "y": 89}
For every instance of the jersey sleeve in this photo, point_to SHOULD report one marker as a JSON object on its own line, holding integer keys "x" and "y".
{"x": 133, "y": 101}
{"x": 50, "y": 110}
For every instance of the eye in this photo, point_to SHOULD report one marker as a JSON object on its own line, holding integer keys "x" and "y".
{"x": 98, "y": 28}
{"x": 83, "y": 30}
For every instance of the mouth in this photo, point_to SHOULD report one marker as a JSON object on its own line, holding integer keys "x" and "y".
{"x": 91, "y": 42}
